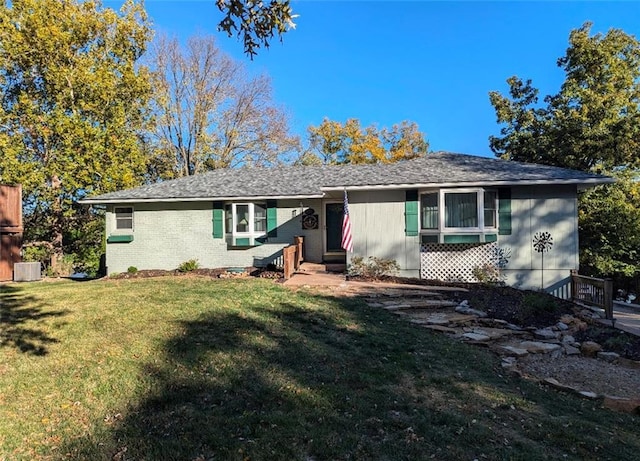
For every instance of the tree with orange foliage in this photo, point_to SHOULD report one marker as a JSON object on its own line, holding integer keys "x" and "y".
{"x": 333, "y": 142}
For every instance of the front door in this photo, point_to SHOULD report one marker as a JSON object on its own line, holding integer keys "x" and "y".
{"x": 333, "y": 213}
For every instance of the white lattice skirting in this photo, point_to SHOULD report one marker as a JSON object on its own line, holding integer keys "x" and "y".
{"x": 454, "y": 262}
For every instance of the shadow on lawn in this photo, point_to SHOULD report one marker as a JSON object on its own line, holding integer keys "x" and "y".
{"x": 288, "y": 382}
{"x": 18, "y": 312}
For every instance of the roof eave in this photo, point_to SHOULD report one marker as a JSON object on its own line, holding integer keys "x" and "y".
{"x": 97, "y": 201}
{"x": 581, "y": 183}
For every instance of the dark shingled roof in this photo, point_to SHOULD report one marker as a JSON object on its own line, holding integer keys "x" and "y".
{"x": 434, "y": 170}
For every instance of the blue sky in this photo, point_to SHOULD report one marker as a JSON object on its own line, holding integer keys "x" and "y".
{"x": 433, "y": 63}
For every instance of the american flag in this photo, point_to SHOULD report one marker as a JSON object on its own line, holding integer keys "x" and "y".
{"x": 347, "y": 238}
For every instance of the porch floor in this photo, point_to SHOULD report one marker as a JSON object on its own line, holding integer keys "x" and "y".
{"x": 316, "y": 275}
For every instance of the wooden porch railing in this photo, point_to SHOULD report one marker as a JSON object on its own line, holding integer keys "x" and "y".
{"x": 589, "y": 290}
{"x": 292, "y": 256}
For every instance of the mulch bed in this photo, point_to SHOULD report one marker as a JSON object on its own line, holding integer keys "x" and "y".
{"x": 219, "y": 273}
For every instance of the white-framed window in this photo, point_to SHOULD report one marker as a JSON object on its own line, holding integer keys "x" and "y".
{"x": 123, "y": 218}
{"x": 244, "y": 222}
{"x": 458, "y": 211}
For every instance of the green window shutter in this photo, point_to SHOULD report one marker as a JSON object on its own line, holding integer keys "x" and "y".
{"x": 411, "y": 213}
{"x": 504, "y": 211}
{"x": 272, "y": 218}
{"x": 218, "y": 220}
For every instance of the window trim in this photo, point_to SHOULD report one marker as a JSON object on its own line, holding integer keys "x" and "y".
{"x": 441, "y": 230}
{"x": 115, "y": 229}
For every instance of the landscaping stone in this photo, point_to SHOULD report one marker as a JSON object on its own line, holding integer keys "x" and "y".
{"x": 621, "y": 404}
{"x": 589, "y": 395}
{"x": 493, "y": 333}
{"x": 396, "y": 307}
{"x": 562, "y": 326}
{"x": 570, "y": 350}
{"x": 476, "y": 337}
{"x": 567, "y": 319}
{"x": 545, "y": 333}
{"x": 536, "y": 347}
{"x": 590, "y": 348}
{"x": 465, "y": 309}
{"x": 513, "y": 351}
{"x": 568, "y": 339}
{"x": 610, "y": 357}
{"x": 460, "y": 319}
{"x": 437, "y": 320}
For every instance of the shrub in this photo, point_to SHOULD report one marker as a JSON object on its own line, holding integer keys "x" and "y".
{"x": 373, "y": 267}
{"x": 132, "y": 269}
{"x": 189, "y": 266}
{"x": 537, "y": 306}
{"x": 487, "y": 274}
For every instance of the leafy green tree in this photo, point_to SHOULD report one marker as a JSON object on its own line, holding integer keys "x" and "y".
{"x": 72, "y": 102}
{"x": 609, "y": 224}
{"x": 337, "y": 143}
{"x": 256, "y": 22}
{"x": 591, "y": 124}
{"x": 209, "y": 114}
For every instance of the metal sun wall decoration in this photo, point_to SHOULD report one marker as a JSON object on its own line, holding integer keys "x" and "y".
{"x": 542, "y": 243}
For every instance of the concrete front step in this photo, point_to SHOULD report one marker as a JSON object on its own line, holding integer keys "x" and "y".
{"x": 335, "y": 267}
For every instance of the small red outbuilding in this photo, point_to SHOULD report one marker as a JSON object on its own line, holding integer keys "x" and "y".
{"x": 10, "y": 229}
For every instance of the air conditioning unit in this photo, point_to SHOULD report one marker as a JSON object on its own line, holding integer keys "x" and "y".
{"x": 26, "y": 272}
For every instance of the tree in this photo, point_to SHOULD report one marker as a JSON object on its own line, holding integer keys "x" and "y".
{"x": 337, "y": 143}
{"x": 209, "y": 114}
{"x": 72, "y": 100}
{"x": 609, "y": 224}
{"x": 592, "y": 124}
{"x": 256, "y": 22}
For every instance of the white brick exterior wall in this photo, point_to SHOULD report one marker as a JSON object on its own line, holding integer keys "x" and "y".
{"x": 167, "y": 234}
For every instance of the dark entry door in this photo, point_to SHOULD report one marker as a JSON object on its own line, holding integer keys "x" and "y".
{"x": 333, "y": 220}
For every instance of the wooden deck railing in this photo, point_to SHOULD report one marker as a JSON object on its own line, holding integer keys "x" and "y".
{"x": 589, "y": 290}
{"x": 292, "y": 256}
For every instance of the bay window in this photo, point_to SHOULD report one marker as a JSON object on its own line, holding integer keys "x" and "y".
{"x": 470, "y": 213}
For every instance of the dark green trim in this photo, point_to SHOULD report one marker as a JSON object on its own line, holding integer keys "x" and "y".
{"x": 469, "y": 238}
{"x": 490, "y": 238}
{"x": 504, "y": 211}
{"x": 429, "y": 239}
{"x": 242, "y": 242}
{"x": 120, "y": 239}
{"x": 411, "y": 213}
{"x": 218, "y": 220}
{"x": 272, "y": 218}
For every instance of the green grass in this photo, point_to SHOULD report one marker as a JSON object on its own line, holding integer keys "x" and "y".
{"x": 187, "y": 368}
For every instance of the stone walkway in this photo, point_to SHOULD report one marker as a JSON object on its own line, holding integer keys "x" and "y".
{"x": 627, "y": 318}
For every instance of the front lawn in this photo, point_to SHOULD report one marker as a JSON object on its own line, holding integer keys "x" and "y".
{"x": 190, "y": 368}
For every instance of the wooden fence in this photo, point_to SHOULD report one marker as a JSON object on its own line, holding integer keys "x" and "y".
{"x": 292, "y": 256}
{"x": 590, "y": 290}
